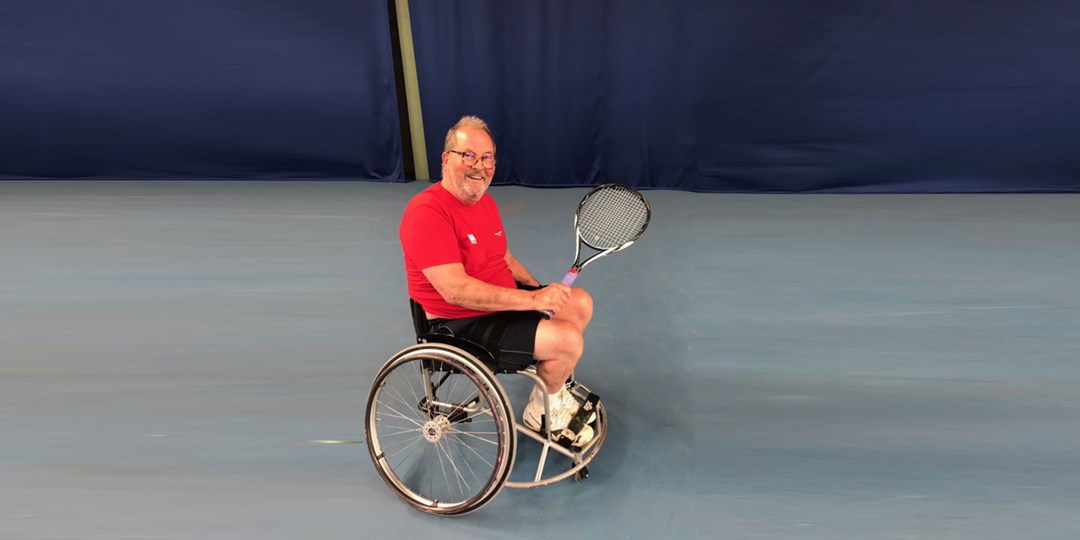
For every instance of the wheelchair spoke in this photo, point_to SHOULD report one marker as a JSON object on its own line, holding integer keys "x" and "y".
{"x": 442, "y": 466}
{"x": 402, "y": 431}
{"x": 397, "y": 395}
{"x": 401, "y": 399}
{"x": 398, "y": 414}
{"x": 443, "y": 447}
{"x": 466, "y": 461}
{"x": 425, "y": 471}
{"x": 455, "y": 465}
{"x": 476, "y": 435}
{"x": 474, "y": 452}
{"x": 385, "y": 415}
{"x": 411, "y": 446}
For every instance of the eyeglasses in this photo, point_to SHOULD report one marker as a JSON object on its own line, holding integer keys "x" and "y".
{"x": 469, "y": 158}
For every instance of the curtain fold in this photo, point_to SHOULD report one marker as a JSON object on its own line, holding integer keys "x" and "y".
{"x": 767, "y": 96}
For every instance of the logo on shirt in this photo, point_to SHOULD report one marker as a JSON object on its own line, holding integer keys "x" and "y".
{"x": 498, "y": 233}
{"x": 472, "y": 239}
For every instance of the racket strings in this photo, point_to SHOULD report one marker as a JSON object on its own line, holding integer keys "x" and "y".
{"x": 612, "y": 217}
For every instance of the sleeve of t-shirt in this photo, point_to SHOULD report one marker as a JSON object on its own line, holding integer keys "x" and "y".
{"x": 427, "y": 237}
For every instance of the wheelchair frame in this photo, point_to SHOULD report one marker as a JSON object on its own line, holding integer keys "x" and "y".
{"x": 438, "y": 398}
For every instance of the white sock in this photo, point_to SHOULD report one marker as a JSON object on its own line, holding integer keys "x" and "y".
{"x": 538, "y": 394}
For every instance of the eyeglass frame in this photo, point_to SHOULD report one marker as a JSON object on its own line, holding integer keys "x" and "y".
{"x": 481, "y": 158}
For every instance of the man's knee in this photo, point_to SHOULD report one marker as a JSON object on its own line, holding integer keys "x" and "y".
{"x": 558, "y": 339}
{"x": 583, "y": 302}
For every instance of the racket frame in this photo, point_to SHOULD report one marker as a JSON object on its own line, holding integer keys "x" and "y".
{"x": 578, "y": 264}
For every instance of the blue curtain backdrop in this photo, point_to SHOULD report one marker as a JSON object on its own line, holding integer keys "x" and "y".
{"x": 197, "y": 89}
{"x": 763, "y": 96}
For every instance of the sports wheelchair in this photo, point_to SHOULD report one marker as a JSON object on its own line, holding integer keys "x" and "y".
{"x": 442, "y": 433}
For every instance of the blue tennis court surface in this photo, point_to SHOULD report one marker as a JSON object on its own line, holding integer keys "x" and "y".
{"x": 179, "y": 357}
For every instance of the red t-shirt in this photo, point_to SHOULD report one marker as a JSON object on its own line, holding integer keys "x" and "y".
{"x": 436, "y": 228}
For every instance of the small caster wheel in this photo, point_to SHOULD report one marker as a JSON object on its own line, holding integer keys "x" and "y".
{"x": 582, "y": 474}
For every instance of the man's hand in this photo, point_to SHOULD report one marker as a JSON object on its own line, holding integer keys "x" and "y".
{"x": 551, "y": 298}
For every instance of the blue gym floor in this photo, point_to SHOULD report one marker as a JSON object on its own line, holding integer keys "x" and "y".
{"x": 774, "y": 366}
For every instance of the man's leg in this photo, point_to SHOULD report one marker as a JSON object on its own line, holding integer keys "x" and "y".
{"x": 558, "y": 348}
{"x": 559, "y": 342}
{"x": 520, "y": 338}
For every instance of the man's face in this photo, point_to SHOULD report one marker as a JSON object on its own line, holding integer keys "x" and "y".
{"x": 468, "y": 182}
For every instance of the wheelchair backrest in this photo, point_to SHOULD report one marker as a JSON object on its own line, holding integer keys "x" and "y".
{"x": 419, "y": 318}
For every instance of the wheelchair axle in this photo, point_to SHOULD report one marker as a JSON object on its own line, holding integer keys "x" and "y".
{"x": 459, "y": 412}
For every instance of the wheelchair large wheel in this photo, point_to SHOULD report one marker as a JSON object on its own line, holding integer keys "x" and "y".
{"x": 440, "y": 429}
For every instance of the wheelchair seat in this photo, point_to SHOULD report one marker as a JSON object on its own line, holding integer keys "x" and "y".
{"x": 424, "y": 335}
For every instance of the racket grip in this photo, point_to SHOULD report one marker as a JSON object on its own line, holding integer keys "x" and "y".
{"x": 567, "y": 280}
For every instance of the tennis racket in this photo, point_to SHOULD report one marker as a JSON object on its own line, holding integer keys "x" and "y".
{"x": 610, "y": 218}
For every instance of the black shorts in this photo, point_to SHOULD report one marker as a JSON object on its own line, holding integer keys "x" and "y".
{"x": 510, "y": 336}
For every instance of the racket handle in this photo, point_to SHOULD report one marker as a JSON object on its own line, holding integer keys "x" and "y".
{"x": 567, "y": 280}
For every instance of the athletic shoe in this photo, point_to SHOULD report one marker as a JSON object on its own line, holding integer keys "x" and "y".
{"x": 563, "y": 410}
{"x": 571, "y": 402}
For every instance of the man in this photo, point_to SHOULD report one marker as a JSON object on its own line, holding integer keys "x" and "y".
{"x": 459, "y": 269}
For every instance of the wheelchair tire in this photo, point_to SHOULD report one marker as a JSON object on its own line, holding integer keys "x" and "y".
{"x": 440, "y": 429}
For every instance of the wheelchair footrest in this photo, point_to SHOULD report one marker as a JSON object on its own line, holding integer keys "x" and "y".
{"x": 583, "y": 417}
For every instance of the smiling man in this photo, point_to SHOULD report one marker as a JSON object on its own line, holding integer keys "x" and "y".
{"x": 459, "y": 269}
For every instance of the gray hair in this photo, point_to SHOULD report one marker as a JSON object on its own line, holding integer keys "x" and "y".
{"x": 467, "y": 121}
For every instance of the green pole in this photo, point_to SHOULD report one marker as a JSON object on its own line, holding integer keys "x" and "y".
{"x": 412, "y": 90}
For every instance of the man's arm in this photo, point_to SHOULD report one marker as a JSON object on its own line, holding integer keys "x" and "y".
{"x": 521, "y": 275}
{"x": 460, "y": 289}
